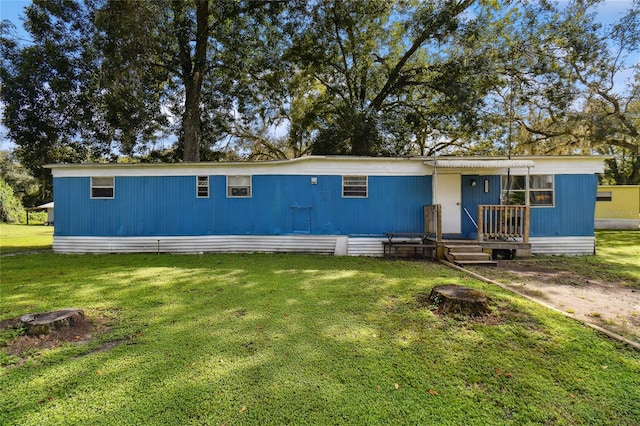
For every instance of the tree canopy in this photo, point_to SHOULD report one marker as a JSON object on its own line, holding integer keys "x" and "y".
{"x": 567, "y": 88}
{"x": 259, "y": 79}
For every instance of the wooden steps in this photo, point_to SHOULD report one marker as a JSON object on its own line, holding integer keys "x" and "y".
{"x": 467, "y": 255}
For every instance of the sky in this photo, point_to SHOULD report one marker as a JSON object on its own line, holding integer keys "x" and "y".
{"x": 13, "y": 11}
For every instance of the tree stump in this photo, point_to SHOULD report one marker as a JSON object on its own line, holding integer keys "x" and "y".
{"x": 42, "y": 323}
{"x": 455, "y": 299}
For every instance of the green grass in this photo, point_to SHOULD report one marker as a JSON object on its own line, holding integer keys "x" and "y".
{"x": 17, "y": 238}
{"x": 286, "y": 339}
{"x": 620, "y": 250}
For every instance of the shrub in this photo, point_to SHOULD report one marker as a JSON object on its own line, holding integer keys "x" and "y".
{"x": 37, "y": 216}
{"x": 10, "y": 207}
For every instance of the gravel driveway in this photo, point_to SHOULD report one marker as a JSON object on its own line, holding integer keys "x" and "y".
{"x": 610, "y": 305}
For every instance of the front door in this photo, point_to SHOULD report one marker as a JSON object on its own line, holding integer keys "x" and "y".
{"x": 447, "y": 190}
{"x": 477, "y": 190}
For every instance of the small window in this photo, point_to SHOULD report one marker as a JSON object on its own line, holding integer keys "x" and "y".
{"x": 239, "y": 186}
{"x": 354, "y": 186}
{"x": 514, "y": 190}
{"x": 102, "y": 187}
{"x": 604, "y": 196}
{"x": 541, "y": 190}
{"x": 202, "y": 189}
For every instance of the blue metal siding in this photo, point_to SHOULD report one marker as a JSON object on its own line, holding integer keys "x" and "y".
{"x": 574, "y": 209}
{"x": 142, "y": 206}
{"x": 393, "y": 204}
{"x": 147, "y": 206}
{"x": 161, "y": 206}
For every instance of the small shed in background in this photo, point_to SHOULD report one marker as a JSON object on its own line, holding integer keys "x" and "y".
{"x": 618, "y": 207}
{"x": 49, "y": 208}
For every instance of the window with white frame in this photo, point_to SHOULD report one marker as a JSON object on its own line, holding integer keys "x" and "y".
{"x": 239, "y": 186}
{"x": 202, "y": 186}
{"x": 532, "y": 190}
{"x": 514, "y": 190}
{"x": 102, "y": 187}
{"x": 541, "y": 190}
{"x": 354, "y": 186}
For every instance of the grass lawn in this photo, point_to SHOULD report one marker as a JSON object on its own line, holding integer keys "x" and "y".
{"x": 620, "y": 251}
{"x": 16, "y": 238}
{"x": 297, "y": 339}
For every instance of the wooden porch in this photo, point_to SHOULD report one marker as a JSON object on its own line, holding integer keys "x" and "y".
{"x": 502, "y": 232}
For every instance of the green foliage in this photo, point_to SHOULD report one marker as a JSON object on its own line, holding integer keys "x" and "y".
{"x": 35, "y": 217}
{"x": 393, "y": 77}
{"x": 135, "y": 51}
{"x": 623, "y": 168}
{"x": 7, "y": 360}
{"x": 111, "y": 78}
{"x": 354, "y": 133}
{"x": 575, "y": 91}
{"x": 299, "y": 339}
{"x": 49, "y": 89}
{"x": 20, "y": 180}
{"x": 10, "y": 206}
{"x": 9, "y": 334}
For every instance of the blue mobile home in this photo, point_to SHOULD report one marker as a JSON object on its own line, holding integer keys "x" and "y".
{"x": 340, "y": 205}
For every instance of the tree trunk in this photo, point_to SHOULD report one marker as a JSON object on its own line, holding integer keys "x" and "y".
{"x": 193, "y": 85}
{"x": 42, "y": 323}
{"x": 191, "y": 125}
{"x": 455, "y": 299}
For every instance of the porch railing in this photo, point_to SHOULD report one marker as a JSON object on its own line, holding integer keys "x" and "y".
{"x": 503, "y": 222}
{"x": 433, "y": 221}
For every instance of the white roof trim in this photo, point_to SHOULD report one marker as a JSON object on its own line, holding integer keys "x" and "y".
{"x": 306, "y": 166}
{"x": 482, "y": 164}
{"x": 341, "y": 165}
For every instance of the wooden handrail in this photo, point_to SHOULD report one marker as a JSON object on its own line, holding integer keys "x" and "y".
{"x": 503, "y": 222}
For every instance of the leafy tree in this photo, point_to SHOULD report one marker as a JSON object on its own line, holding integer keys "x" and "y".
{"x": 104, "y": 78}
{"x": 10, "y": 207}
{"x": 26, "y": 188}
{"x": 46, "y": 87}
{"x": 110, "y": 78}
{"x": 392, "y": 75}
{"x": 611, "y": 136}
{"x": 191, "y": 58}
{"x": 562, "y": 97}
{"x": 130, "y": 37}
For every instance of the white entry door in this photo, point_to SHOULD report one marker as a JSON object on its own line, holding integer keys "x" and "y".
{"x": 448, "y": 194}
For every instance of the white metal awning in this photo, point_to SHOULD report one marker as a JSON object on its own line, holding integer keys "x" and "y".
{"x": 480, "y": 164}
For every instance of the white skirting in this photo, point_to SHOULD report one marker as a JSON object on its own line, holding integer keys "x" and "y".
{"x": 571, "y": 246}
{"x": 320, "y": 244}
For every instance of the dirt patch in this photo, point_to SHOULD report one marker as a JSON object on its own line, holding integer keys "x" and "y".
{"x": 610, "y": 305}
{"x": 82, "y": 330}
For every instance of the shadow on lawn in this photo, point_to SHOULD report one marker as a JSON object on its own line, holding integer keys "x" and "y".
{"x": 297, "y": 339}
